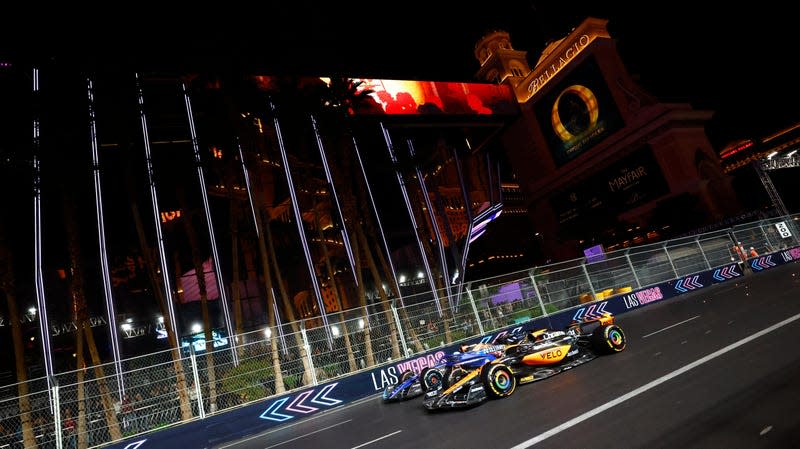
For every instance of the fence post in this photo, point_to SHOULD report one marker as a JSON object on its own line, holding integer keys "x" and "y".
{"x": 308, "y": 352}
{"x": 589, "y": 280}
{"x": 633, "y": 270}
{"x": 201, "y": 410}
{"x": 475, "y": 309}
{"x": 57, "y": 414}
{"x": 536, "y": 290}
{"x": 768, "y": 246}
{"x": 399, "y": 329}
{"x": 697, "y": 240}
{"x": 669, "y": 258}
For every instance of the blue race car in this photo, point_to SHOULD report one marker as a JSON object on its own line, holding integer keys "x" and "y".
{"x": 481, "y": 371}
{"x": 538, "y": 355}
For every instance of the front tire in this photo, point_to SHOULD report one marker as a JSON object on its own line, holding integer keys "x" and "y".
{"x": 609, "y": 339}
{"x": 431, "y": 379}
{"x": 498, "y": 380}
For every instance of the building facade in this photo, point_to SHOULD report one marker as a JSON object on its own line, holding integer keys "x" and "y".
{"x": 600, "y": 160}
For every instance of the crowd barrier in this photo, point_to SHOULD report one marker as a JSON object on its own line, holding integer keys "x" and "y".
{"x": 233, "y": 391}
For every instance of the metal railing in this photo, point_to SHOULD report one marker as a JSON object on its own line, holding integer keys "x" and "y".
{"x": 85, "y": 409}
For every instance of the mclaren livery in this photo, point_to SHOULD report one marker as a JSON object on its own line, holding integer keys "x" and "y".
{"x": 479, "y": 372}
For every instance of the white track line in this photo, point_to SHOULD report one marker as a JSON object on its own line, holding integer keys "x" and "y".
{"x": 578, "y": 419}
{"x": 309, "y": 433}
{"x": 376, "y": 439}
{"x": 670, "y": 327}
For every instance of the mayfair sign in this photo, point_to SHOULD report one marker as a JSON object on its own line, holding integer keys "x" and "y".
{"x": 563, "y": 59}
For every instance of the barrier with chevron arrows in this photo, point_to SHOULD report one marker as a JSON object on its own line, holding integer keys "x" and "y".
{"x": 726, "y": 272}
{"x": 762, "y": 263}
{"x": 257, "y": 417}
{"x": 298, "y": 405}
{"x": 592, "y": 311}
{"x": 688, "y": 283}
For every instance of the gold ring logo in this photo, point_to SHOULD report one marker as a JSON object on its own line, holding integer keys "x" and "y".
{"x": 588, "y": 105}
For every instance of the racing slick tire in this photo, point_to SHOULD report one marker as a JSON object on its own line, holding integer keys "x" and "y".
{"x": 498, "y": 380}
{"x": 608, "y": 339}
{"x": 431, "y": 379}
{"x": 407, "y": 374}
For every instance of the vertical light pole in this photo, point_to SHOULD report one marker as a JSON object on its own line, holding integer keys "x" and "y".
{"x": 378, "y": 220}
{"x": 300, "y": 229}
{"x": 335, "y": 197}
{"x": 207, "y": 211}
{"x": 404, "y": 191}
{"x": 101, "y": 236}
{"x": 44, "y": 325}
{"x": 173, "y": 325}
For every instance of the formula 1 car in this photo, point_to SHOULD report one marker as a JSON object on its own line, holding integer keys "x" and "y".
{"x": 411, "y": 385}
{"x": 468, "y": 378}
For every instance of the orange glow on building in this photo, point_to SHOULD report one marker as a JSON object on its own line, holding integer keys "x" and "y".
{"x": 168, "y": 216}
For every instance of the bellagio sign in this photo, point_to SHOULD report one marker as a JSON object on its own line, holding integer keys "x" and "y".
{"x": 555, "y": 66}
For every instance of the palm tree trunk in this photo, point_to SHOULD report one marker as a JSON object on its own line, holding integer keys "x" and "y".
{"x": 105, "y": 393}
{"x": 271, "y": 306}
{"x": 8, "y": 286}
{"x": 200, "y": 275}
{"x": 180, "y": 375}
{"x": 235, "y": 292}
{"x": 80, "y": 378}
{"x": 393, "y": 332}
{"x": 362, "y": 298}
{"x": 436, "y": 283}
{"x": 409, "y": 329}
{"x": 287, "y": 305}
{"x": 351, "y": 360}
{"x": 80, "y": 315}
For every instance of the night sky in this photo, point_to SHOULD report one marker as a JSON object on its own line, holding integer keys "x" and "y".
{"x": 736, "y": 61}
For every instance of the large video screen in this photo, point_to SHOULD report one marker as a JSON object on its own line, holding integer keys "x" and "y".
{"x": 437, "y": 97}
{"x": 578, "y": 113}
{"x": 403, "y": 97}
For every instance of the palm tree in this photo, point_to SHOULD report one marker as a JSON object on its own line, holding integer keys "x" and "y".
{"x": 8, "y": 287}
{"x": 154, "y": 275}
{"x": 235, "y": 290}
{"x": 200, "y": 275}
{"x": 81, "y": 317}
{"x": 342, "y": 97}
{"x": 287, "y": 305}
{"x": 351, "y": 360}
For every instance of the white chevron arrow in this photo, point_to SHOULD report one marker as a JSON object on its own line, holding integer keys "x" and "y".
{"x": 271, "y": 414}
{"x": 297, "y": 404}
{"x": 322, "y": 399}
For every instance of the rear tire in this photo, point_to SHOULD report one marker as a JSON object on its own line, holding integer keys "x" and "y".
{"x": 608, "y": 339}
{"x": 407, "y": 374}
{"x": 498, "y": 380}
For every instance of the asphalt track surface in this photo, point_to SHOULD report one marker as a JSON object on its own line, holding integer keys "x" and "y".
{"x": 718, "y": 368}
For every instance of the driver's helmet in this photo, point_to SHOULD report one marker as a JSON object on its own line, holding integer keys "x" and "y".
{"x": 511, "y": 339}
{"x": 464, "y": 348}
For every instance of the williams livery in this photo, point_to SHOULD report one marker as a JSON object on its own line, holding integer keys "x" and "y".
{"x": 483, "y": 371}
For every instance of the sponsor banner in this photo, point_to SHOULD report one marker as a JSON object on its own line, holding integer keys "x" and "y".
{"x": 773, "y": 260}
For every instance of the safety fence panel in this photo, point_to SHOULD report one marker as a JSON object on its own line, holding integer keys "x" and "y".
{"x": 98, "y": 405}
{"x": 653, "y": 265}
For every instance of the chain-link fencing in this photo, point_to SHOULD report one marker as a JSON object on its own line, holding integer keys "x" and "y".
{"x": 97, "y": 405}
